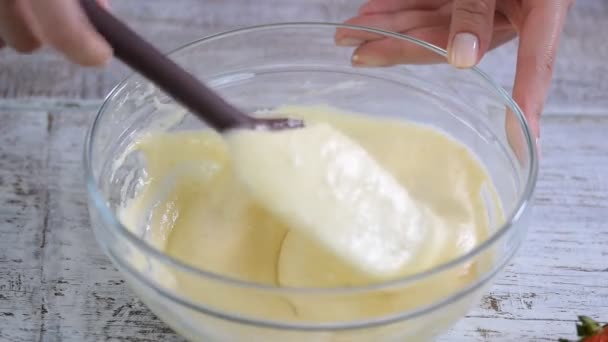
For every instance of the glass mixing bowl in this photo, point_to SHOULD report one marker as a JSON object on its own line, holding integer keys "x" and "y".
{"x": 299, "y": 63}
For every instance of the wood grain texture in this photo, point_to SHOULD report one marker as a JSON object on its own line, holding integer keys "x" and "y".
{"x": 168, "y": 27}
{"x": 579, "y": 74}
{"x": 58, "y": 286}
{"x": 23, "y": 215}
{"x": 55, "y": 284}
{"x": 562, "y": 269}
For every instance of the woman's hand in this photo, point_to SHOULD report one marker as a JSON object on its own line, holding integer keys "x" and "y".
{"x": 26, "y": 25}
{"x": 467, "y": 29}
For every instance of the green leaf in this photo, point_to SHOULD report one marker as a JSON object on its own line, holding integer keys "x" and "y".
{"x": 587, "y": 327}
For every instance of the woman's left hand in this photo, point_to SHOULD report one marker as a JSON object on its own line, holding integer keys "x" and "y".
{"x": 467, "y": 29}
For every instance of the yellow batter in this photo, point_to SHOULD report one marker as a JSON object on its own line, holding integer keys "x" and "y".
{"x": 194, "y": 207}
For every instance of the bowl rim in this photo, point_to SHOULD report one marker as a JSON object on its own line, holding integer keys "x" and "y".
{"x": 522, "y": 205}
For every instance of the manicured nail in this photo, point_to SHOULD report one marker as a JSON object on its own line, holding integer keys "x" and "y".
{"x": 368, "y": 61}
{"x": 349, "y": 42}
{"x": 464, "y": 50}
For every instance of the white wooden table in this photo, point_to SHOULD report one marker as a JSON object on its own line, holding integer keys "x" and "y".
{"x": 55, "y": 284}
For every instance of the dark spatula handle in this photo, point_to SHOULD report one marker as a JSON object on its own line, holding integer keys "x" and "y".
{"x": 148, "y": 61}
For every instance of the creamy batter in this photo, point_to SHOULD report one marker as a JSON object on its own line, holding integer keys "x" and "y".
{"x": 196, "y": 207}
{"x": 329, "y": 189}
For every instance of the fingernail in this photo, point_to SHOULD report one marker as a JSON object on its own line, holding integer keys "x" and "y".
{"x": 539, "y": 147}
{"x": 464, "y": 50}
{"x": 368, "y": 61}
{"x": 349, "y": 42}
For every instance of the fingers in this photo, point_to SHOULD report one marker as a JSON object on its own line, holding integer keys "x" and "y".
{"x": 382, "y": 51}
{"x": 432, "y": 26}
{"x": 63, "y": 25}
{"x": 395, "y": 22}
{"x": 388, "y": 6}
{"x": 536, "y": 56}
{"x": 501, "y": 37}
{"x": 470, "y": 31}
{"x": 502, "y": 23}
{"x": 392, "y": 51}
{"x": 26, "y": 24}
{"x": 15, "y": 26}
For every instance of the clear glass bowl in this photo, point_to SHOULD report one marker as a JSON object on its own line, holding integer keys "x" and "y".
{"x": 299, "y": 63}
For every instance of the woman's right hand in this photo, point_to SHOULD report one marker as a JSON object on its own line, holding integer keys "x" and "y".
{"x": 27, "y": 25}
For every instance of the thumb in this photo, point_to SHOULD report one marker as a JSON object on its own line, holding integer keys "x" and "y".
{"x": 470, "y": 31}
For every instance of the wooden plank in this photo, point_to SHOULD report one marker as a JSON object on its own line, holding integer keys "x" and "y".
{"x": 23, "y": 218}
{"x": 86, "y": 298}
{"x": 561, "y": 270}
{"x": 59, "y": 286}
{"x": 578, "y": 77}
{"x": 169, "y": 27}
{"x": 55, "y": 284}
